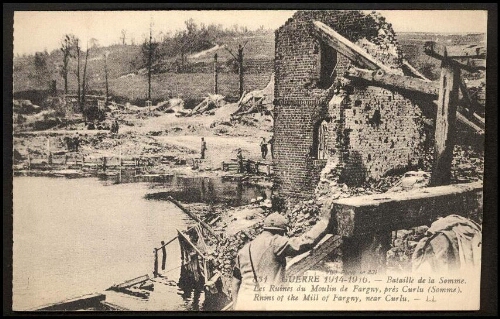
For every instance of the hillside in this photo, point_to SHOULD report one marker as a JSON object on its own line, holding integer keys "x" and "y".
{"x": 129, "y": 82}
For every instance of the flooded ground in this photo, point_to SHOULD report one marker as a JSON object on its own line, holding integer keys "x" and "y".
{"x": 74, "y": 236}
{"x": 78, "y": 236}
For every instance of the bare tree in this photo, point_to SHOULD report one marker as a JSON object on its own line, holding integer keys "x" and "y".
{"x": 151, "y": 55}
{"x": 123, "y": 36}
{"x": 66, "y": 48}
{"x": 76, "y": 44}
{"x": 106, "y": 54}
{"x": 239, "y": 60}
{"x": 84, "y": 88}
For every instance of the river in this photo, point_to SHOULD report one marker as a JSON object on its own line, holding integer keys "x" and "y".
{"x": 77, "y": 236}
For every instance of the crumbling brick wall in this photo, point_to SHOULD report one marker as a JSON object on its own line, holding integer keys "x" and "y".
{"x": 371, "y": 130}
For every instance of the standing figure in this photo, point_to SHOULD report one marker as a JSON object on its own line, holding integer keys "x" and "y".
{"x": 271, "y": 146}
{"x": 263, "y": 148}
{"x": 76, "y": 141}
{"x": 203, "y": 148}
{"x": 164, "y": 255}
{"x": 116, "y": 126}
{"x": 262, "y": 262}
{"x": 239, "y": 157}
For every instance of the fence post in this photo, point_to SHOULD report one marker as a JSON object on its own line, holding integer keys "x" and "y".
{"x": 155, "y": 271}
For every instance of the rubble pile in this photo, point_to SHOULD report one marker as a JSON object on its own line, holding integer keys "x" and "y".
{"x": 227, "y": 250}
{"x": 467, "y": 164}
{"x": 384, "y": 46}
{"x": 402, "y": 247}
{"x": 211, "y": 102}
{"x": 302, "y": 217}
{"x": 258, "y": 101}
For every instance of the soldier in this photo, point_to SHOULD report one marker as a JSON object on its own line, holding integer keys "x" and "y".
{"x": 239, "y": 157}
{"x": 203, "y": 147}
{"x": 262, "y": 262}
{"x": 263, "y": 148}
{"x": 76, "y": 141}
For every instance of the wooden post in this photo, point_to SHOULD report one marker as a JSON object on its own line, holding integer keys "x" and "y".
{"x": 49, "y": 158}
{"x": 216, "y": 89}
{"x": 155, "y": 271}
{"x": 120, "y": 170}
{"x": 240, "y": 69}
{"x": 445, "y": 124}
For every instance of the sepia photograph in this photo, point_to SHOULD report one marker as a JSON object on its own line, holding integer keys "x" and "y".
{"x": 248, "y": 160}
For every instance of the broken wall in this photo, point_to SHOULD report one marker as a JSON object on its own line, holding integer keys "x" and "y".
{"x": 371, "y": 130}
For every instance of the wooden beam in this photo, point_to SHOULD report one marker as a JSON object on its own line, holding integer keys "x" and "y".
{"x": 474, "y": 105}
{"x": 79, "y": 303}
{"x": 455, "y": 51}
{"x": 439, "y": 51}
{"x": 347, "y": 48}
{"x": 300, "y": 264}
{"x": 394, "y": 80}
{"x": 131, "y": 282}
{"x": 445, "y": 127}
{"x": 462, "y": 119}
{"x": 415, "y": 71}
{"x": 193, "y": 216}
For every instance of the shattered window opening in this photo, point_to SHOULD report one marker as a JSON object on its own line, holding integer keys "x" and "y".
{"x": 327, "y": 65}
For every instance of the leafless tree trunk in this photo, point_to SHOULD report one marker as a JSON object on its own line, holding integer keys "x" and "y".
{"x": 123, "y": 37}
{"x": 66, "y": 48}
{"x": 84, "y": 89}
{"x": 150, "y": 58}
{"x": 216, "y": 89}
{"x": 77, "y": 48}
{"x": 106, "y": 75}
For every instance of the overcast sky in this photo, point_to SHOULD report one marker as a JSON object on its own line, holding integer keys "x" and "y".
{"x": 40, "y": 30}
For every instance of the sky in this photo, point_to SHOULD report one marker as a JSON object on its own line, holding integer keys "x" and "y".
{"x": 39, "y": 30}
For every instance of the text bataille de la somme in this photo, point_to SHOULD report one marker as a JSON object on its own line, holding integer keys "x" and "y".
{"x": 327, "y": 284}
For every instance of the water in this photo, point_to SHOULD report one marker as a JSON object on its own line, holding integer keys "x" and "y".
{"x": 77, "y": 236}
{"x": 189, "y": 189}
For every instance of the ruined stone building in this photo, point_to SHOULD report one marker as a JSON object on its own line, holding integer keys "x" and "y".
{"x": 322, "y": 116}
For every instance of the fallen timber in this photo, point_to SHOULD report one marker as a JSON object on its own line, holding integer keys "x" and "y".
{"x": 93, "y": 301}
{"x": 379, "y": 74}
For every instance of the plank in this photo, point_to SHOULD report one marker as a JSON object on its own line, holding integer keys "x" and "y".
{"x": 131, "y": 282}
{"x": 306, "y": 261}
{"x": 78, "y": 303}
{"x": 439, "y": 51}
{"x": 445, "y": 127}
{"x": 348, "y": 48}
{"x": 394, "y": 80}
{"x": 455, "y": 51}
{"x": 193, "y": 216}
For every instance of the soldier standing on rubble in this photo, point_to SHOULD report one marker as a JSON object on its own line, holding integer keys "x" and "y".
{"x": 239, "y": 157}
{"x": 263, "y": 148}
{"x": 203, "y": 148}
{"x": 262, "y": 262}
{"x": 271, "y": 146}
